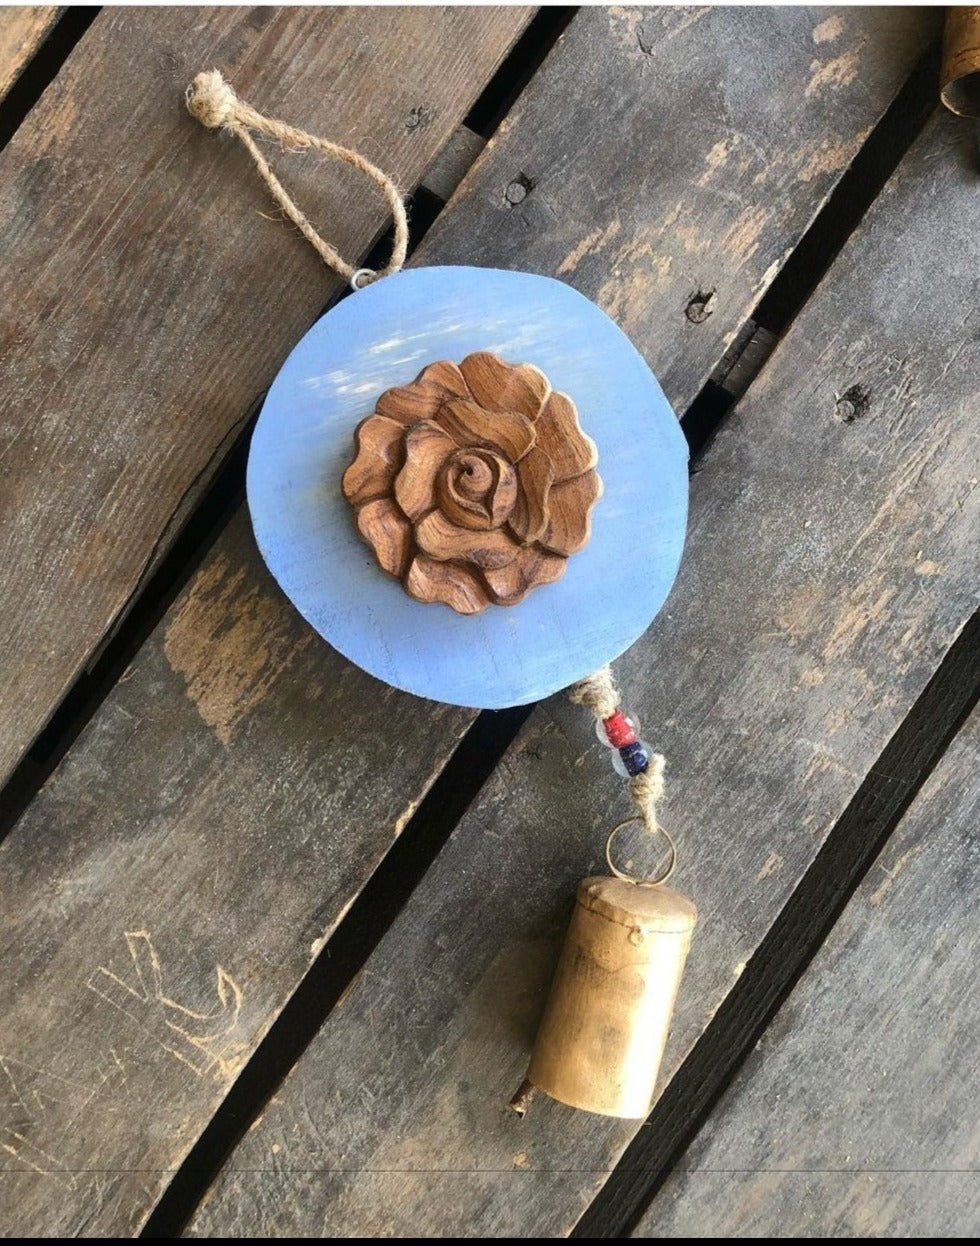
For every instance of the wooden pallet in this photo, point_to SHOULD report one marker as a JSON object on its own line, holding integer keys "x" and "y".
{"x": 208, "y": 882}
{"x": 882, "y": 1028}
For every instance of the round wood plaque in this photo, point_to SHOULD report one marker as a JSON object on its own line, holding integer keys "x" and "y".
{"x": 382, "y": 337}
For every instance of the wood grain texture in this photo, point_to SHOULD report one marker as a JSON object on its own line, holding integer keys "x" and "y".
{"x": 139, "y": 1012}
{"x": 23, "y": 28}
{"x": 210, "y": 756}
{"x": 830, "y": 564}
{"x": 156, "y": 911}
{"x": 854, "y": 1116}
{"x": 149, "y": 292}
{"x": 690, "y": 149}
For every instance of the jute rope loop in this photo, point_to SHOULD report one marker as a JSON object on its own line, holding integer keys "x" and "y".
{"x": 597, "y": 692}
{"x": 214, "y": 103}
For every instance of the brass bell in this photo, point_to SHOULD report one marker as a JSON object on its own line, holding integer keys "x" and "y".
{"x": 605, "y": 1025}
{"x": 960, "y": 73}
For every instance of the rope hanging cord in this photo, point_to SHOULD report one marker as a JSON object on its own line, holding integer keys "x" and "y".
{"x": 597, "y": 692}
{"x": 214, "y": 103}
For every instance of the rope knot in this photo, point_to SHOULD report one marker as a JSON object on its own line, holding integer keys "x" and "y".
{"x": 647, "y": 790}
{"x": 213, "y": 102}
{"x": 211, "y": 99}
{"x": 597, "y": 693}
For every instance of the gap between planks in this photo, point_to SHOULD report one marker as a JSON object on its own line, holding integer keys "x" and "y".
{"x": 847, "y": 1118}
{"x": 34, "y": 44}
{"x": 23, "y": 28}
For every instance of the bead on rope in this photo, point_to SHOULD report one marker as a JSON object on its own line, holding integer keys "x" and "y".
{"x": 633, "y": 759}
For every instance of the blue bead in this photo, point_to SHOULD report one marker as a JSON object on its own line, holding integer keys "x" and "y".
{"x": 632, "y": 759}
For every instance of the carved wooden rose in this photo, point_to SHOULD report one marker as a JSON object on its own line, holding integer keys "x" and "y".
{"x": 473, "y": 484}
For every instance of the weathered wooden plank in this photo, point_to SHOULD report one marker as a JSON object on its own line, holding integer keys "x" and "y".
{"x": 277, "y": 765}
{"x": 853, "y": 1116}
{"x": 23, "y": 28}
{"x": 831, "y": 562}
{"x": 140, "y": 853}
{"x": 147, "y": 298}
{"x": 739, "y": 126}
{"x": 225, "y": 644}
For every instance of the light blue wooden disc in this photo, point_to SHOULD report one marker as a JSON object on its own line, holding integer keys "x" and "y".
{"x": 383, "y": 336}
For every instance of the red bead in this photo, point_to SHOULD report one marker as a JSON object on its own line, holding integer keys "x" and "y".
{"x": 618, "y": 729}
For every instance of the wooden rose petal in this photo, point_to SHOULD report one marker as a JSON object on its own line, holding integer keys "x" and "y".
{"x": 559, "y": 435}
{"x": 440, "y": 538}
{"x": 500, "y": 386}
{"x": 471, "y": 425}
{"x": 449, "y": 582}
{"x": 511, "y": 584}
{"x": 380, "y": 450}
{"x": 409, "y": 403}
{"x": 426, "y": 449}
{"x": 473, "y": 484}
{"x": 530, "y": 515}
{"x": 569, "y": 514}
{"x": 388, "y": 532}
{"x": 447, "y": 375}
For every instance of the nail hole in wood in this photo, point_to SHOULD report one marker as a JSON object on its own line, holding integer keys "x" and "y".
{"x": 852, "y": 404}
{"x": 700, "y": 305}
{"x": 518, "y": 190}
{"x": 418, "y": 118}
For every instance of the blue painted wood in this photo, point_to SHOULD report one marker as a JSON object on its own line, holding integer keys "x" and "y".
{"x": 382, "y": 336}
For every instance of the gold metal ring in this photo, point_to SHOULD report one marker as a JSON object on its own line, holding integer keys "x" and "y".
{"x": 630, "y": 878}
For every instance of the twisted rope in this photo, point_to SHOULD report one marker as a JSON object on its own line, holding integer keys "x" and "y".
{"x": 214, "y": 103}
